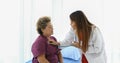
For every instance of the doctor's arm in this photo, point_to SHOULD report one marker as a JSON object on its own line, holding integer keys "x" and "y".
{"x": 69, "y": 38}
{"x": 67, "y": 41}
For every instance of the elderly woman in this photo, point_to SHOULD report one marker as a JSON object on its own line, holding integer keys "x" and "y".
{"x": 42, "y": 50}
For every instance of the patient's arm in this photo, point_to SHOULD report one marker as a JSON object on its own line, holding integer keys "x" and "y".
{"x": 42, "y": 59}
{"x": 60, "y": 57}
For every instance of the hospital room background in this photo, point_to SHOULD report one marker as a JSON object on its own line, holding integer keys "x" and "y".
{"x": 18, "y": 24}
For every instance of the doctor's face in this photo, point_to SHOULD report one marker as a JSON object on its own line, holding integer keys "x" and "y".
{"x": 73, "y": 25}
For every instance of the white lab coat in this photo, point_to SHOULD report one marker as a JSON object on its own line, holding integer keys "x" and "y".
{"x": 96, "y": 49}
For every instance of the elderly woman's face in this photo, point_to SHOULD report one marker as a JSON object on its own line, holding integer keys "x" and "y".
{"x": 48, "y": 30}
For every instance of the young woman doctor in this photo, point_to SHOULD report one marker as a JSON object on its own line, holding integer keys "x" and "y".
{"x": 85, "y": 36}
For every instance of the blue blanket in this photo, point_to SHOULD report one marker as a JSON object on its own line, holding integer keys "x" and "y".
{"x": 70, "y": 54}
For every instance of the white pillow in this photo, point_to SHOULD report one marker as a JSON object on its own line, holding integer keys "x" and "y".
{"x": 71, "y": 52}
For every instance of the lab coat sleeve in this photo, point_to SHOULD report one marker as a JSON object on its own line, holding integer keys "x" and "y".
{"x": 96, "y": 42}
{"x": 67, "y": 41}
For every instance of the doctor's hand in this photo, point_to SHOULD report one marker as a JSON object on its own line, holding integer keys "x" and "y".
{"x": 76, "y": 44}
{"x": 53, "y": 42}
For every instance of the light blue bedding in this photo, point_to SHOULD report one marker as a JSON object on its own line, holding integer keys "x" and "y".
{"x": 70, "y": 54}
{"x": 30, "y": 61}
{"x": 68, "y": 60}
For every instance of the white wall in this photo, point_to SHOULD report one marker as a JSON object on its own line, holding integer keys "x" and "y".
{"x": 9, "y": 31}
{"x": 111, "y": 29}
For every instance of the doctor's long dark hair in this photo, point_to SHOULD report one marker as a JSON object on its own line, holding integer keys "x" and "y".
{"x": 84, "y": 28}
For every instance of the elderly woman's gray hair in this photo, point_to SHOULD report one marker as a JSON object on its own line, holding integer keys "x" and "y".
{"x": 42, "y": 23}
